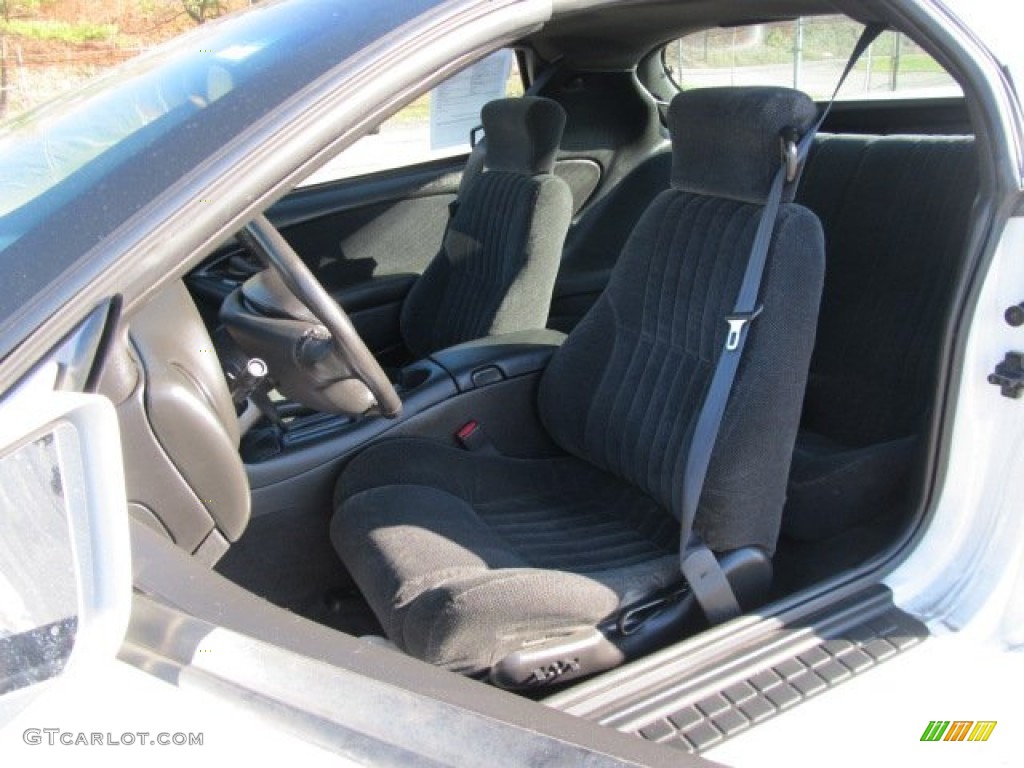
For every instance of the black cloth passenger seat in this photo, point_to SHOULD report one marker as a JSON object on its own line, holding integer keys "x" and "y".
{"x": 895, "y": 211}
{"x": 469, "y": 558}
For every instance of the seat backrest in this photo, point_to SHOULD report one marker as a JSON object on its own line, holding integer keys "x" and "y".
{"x": 895, "y": 211}
{"x": 496, "y": 269}
{"x": 625, "y": 389}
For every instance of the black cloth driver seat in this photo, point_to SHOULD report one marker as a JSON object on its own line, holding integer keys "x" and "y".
{"x": 525, "y": 568}
{"x": 496, "y": 269}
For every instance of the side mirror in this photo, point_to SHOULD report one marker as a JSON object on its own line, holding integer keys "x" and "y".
{"x": 65, "y": 571}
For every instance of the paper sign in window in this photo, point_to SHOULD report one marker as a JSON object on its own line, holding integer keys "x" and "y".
{"x": 455, "y": 104}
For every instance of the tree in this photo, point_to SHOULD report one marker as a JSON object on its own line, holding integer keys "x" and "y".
{"x": 12, "y": 8}
{"x": 201, "y": 11}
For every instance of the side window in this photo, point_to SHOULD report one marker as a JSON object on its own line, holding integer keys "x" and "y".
{"x": 808, "y": 54}
{"x": 434, "y": 126}
{"x": 38, "y": 587}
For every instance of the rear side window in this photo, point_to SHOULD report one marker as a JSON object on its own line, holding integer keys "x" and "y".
{"x": 808, "y": 54}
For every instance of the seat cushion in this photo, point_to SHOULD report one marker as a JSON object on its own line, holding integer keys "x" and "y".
{"x": 465, "y": 556}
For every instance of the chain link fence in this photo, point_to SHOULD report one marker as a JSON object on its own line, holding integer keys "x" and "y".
{"x": 32, "y": 73}
{"x": 808, "y": 54}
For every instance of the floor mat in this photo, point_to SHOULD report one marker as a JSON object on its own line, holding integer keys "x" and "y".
{"x": 287, "y": 558}
{"x": 345, "y": 611}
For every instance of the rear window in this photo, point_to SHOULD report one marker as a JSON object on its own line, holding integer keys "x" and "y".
{"x": 808, "y": 54}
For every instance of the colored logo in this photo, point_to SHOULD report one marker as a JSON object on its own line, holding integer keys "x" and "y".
{"x": 958, "y": 730}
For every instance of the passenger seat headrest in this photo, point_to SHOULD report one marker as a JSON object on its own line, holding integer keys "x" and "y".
{"x": 522, "y": 134}
{"x": 726, "y": 141}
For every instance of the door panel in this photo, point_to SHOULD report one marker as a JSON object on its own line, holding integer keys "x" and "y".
{"x": 375, "y": 306}
{"x": 367, "y": 239}
{"x": 65, "y": 560}
{"x": 357, "y": 229}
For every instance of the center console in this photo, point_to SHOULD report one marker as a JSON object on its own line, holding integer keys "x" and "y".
{"x": 490, "y": 381}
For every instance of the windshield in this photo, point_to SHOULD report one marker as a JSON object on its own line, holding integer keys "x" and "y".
{"x": 73, "y": 171}
{"x": 49, "y": 155}
{"x": 40, "y": 150}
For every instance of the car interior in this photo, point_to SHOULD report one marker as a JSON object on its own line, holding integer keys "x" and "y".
{"x": 480, "y": 461}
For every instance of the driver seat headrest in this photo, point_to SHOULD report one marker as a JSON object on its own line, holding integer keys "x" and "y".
{"x": 523, "y": 134}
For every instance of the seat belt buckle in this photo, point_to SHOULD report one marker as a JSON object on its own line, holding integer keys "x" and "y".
{"x": 737, "y": 322}
{"x": 471, "y": 437}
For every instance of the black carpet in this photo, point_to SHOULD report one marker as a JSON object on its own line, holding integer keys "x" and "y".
{"x": 287, "y": 559}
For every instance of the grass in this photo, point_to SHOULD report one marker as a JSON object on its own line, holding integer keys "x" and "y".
{"x": 909, "y": 62}
{"x": 415, "y": 112}
{"x": 59, "y": 31}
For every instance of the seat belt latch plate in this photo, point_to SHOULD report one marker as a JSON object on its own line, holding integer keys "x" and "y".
{"x": 737, "y": 322}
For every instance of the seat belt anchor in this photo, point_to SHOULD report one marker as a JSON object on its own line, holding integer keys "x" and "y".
{"x": 737, "y": 322}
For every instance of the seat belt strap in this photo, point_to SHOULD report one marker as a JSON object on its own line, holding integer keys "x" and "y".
{"x": 698, "y": 564}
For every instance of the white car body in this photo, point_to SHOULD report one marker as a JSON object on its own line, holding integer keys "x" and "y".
{"x": 964, "y": 578}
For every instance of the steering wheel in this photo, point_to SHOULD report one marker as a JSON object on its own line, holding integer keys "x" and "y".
{"x": 306, "y": 336}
